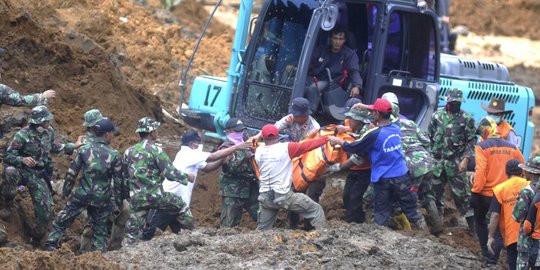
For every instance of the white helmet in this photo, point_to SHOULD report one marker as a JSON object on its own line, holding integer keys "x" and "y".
{"x": 391, "y": 97}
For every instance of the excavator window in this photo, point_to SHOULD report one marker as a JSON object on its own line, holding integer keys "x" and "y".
{"x": 410, "y": 45}
{"x": 278, "y": 46}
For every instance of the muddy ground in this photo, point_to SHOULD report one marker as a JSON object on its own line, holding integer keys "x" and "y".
{"x": 124, "y": 57}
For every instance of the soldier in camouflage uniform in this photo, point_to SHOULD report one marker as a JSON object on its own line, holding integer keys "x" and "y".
{"x": 238, "y": 183}
{"x": 147, "y": 166}
{"x": 452, "y": 134}
{"x": 26, "y": 160}
{"x": 420, "y": 163}
{"x": 11, "y": 97}
{"x": 100, "y": 166}
{"x": 120, "y": 213}
{"x": 527, "y": 250}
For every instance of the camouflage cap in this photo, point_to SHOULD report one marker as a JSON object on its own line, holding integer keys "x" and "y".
{"x": 455, "y": 94}
{"x": 532, "y": 165}
{"x": 359, "y": 115}
{"x": 395, "y": 110}
{"x": 147, "y": 125}
{"x": 91, "y": 117}
{"x": 40, "y": 114}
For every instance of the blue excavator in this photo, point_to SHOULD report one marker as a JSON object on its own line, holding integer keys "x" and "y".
{"x": 398, "y": 46}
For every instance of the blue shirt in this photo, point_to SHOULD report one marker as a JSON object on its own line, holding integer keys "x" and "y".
{"x": 383, "y": 145}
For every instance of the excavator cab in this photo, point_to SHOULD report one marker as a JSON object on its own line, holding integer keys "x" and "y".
{"x": 394, "y": 42}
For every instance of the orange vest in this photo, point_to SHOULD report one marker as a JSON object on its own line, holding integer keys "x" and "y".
{"x": 506, "y": 194}
{"x": 504, "y": 129}
{"x": 311, "y": 165}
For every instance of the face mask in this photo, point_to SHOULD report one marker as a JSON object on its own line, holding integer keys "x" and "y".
{"x": 497, "y": 118}
{"x": 453, "y": 107}
{"x": 200, "y": 147}
{"x": 236, "y": 137}
{"x": 40, "y": 129}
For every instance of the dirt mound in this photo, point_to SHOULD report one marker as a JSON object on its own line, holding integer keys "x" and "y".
{"x": 494, "y": 17}
{"x": 62, "y": 259}
{"x": 341, "y": 246}
{"x": 149, "y": 45}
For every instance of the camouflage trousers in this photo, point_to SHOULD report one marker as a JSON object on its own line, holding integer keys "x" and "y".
{"x": 117, "y": 223}
{"x": 35, "y": 181}
{"x": 425, "y": 187}
{"x": 141, "y": 203}
{"x": 525, "y": 261}
{"x": 446, "y": 171}
{"x": 97, "y": 216}
{"x": 231, "y": 209}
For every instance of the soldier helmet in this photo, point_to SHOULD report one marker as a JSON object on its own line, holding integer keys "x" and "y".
{"x": 487, "y": 124}
{"x": 532, "y": 165}
{"x": 455, "y": 94}
{"x": 147, "y": 125}
{"x": 359, "y": 115}
{"x": 91, "y": 117}
{"x": 40, "y": 114}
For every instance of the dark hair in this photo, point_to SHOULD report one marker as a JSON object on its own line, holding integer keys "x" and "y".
{"x": 339, "y": 29}
{"x": 513, "y": 169}
{"x": 385, "y": 115}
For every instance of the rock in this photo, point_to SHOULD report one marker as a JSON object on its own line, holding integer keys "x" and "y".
{"x": 84, "y": 82}
{"x": 5, "y": 214}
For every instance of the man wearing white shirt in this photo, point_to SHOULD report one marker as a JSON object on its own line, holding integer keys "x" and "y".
{"x": 190, "y": 159}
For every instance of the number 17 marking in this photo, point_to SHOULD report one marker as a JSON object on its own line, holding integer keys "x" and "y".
{"x": 218, "y": 89}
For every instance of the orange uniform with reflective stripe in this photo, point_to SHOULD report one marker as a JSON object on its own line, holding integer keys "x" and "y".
{"x": 506, "y": 194}
{"x": 491, "y": 156}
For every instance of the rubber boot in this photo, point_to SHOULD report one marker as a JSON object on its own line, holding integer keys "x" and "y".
{"x": 433, "y": 218}
{"x": 119, "y": 226}
{"x": 419, "y": 224}
{"x": 86, "y": 239}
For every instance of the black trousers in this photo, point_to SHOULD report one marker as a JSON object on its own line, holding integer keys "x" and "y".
{"x": 482, "y": 220}
{"x": 356, "y": 185}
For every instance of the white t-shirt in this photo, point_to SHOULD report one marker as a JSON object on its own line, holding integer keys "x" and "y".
{"x": 275, "y": 167}
{"x": 188, "y": 161}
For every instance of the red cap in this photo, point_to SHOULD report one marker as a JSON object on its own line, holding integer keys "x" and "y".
{"x": 381, "y": 105}
{"x": 269, "y": 132}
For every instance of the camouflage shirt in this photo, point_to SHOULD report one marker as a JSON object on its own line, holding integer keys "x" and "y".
{"x": 147, "y": 166}
{"x": 237, "y": 174}
{"x": 28, "y": 142}
{"x": 521, "y": 209}
{"x": 11, "y": 97}
{"x": 452, "y": 136}
{"x": 414, "y": 144}
{"x": 101, "y": 167}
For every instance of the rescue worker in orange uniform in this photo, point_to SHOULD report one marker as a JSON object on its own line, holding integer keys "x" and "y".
{"x": 502, "y": 205}
{"x": 496, "y": 110}
{"x": 491, "y": 155}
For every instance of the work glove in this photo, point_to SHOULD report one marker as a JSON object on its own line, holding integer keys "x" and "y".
{"x": 333, "y": 168}
{"x": 474, "y": 201}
